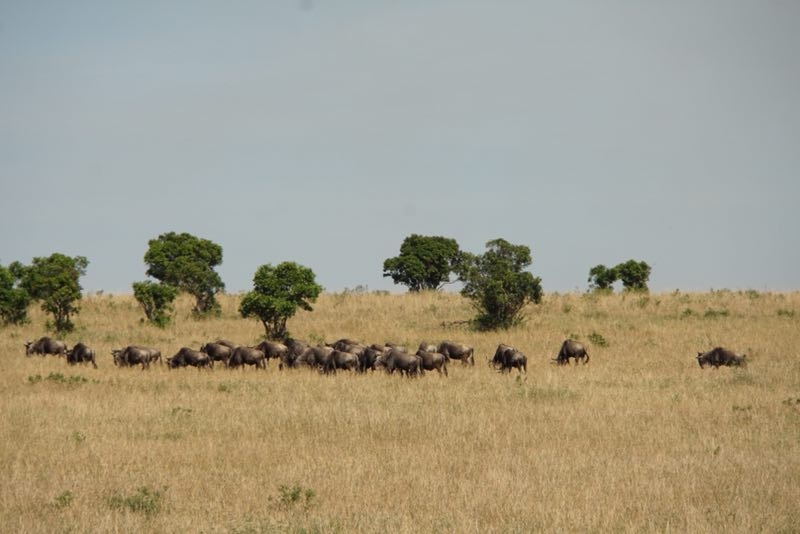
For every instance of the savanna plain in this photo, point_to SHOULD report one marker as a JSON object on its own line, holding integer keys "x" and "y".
{"x": 640, "y": 439}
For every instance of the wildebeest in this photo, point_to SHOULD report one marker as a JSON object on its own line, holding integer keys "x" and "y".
{"x": 346, "y": 344}
{"x": 187, "y": 356}
{"x": 571, "y": 349}
{"x": 247, "y": 356}
{"x": 428, "y": 347}
{"x": 229, "y": 344}
{"x": 46, "y": 345}
{"x": 296, "y": 348}
{"x": 457, "y": 351}
{"x": 319, "y": 357}
{"x": 344, "y": 360}
{"x": 720, "y": 356}
{"x": 396, "y": 359}
{"x": 367, "y": 357}
{"x": 272, "y": 349}
{"x": 432, "y": 360}
{"x": 507, "y": 357}
{"x": 81, "y": 353}
{"x": 389, "y": 346}
{"x": 135, "y": 355}
{"x": 217, "y": 352}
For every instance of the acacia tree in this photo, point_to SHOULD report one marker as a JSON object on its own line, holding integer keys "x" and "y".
{"x": 14, "y": 300}
{"x": 634, "y": 275}
{"x": 497, "y": 284}
{"x": 187, "y": 263}
{"x": 54, "y": 281}
{"x": 156, "y": 300}
{"x": 425, "y": 262}
{"x": 277, "y": 294}
{"x": 601, "y": 278}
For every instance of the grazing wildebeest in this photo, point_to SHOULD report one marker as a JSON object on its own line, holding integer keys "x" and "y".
{"x": 134, "y": 355}
{"x": 272, "y": 349}
{"x": 432, "y": 360}
{"x": 497, "y": 359}
{"x": 125, "y": 357}
{"x": 367, "y": 358}
{"x": 248, "y": 356}
{"x": 394, "y": 359}
{"x": 218, "y": 352}
{"x": 428, "y": 347}
{"x": 507, "y": 357}
{"x": 296, "y": 348}
{"x": 571, "y": 349}
{"x": 345, "y": 344}
{"x": 457, "y": 351}
{"x": 81, "y": 353}
{"x": 187, "y": 356}
{"x": 389, "y": 346}
{"x": 319, "y": 357}
{"x": 344, "y": 360}
{"x": 351, "y": 346}
{"x": 229, "y": 344}
{"x": 155, "y": 356}
{"x": 720, "y": 356}
{"x": 46, "y": 345}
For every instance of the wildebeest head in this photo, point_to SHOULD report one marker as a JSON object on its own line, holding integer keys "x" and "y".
{"x": 700, "y": 360}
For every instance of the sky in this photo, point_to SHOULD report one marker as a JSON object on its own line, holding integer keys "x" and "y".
{"x": 325, "y": 132}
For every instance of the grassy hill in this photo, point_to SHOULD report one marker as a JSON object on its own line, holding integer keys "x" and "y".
{"x": 639, "y": 440}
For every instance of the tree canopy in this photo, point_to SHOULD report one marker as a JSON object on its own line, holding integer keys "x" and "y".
{"x": 278, "y": 292}
{"x": 601, "y": 278}
{"x": 633, "y": 274}
{"x": 156, "y": 300}
{"x": 497, "y": 284}
{"x": 187, "y": 263}
{"x": 14, "y": 300}
{"x": 424, "y": 263}
{"x": 54, "y": 281}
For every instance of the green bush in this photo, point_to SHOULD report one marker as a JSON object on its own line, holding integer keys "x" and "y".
{"x": 54, "y": 282}
{"x": 156, "y": 301}
{"x": 598, "y": 339}
{"x": 497, "y": 285}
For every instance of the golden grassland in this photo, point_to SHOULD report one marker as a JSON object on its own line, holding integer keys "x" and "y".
{"x": 639, "y": 440}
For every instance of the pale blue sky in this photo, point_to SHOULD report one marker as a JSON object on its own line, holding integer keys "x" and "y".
{"x": 325, "y": 132}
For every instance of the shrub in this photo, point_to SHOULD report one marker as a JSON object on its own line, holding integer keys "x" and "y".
{"x": 294, "y": 496}
{"x": 145, "y": 500}
{"x": 54, "y": 281}
{"x": 598, "y": 339}
{"x": 63, "y": 500}
{"x": 156, "y": 301}
{"x": 498, "y": 286}
{"x": 14, "y": 300}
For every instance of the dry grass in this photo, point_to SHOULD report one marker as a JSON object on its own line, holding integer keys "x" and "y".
{"x": 638, "y": 440}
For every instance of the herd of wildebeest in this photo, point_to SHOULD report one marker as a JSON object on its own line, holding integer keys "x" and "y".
{"x": 344, "y": 354}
